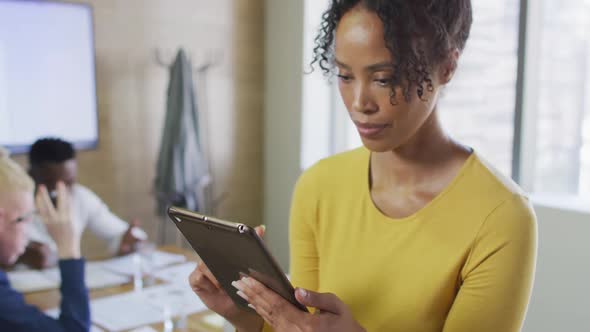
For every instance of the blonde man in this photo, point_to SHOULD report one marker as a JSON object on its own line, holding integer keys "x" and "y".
{"x": 17, "y": 208}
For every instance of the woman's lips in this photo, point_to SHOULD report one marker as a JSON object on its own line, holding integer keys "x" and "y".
{"x": 370, "y": 130}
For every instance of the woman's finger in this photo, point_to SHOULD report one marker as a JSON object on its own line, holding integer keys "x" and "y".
{"x": 268, "y": 317}
{"x": 260, "y": 230}
{"x": 205, "y": 270}
{"x": 326, "y": 302}
{"x": 199, "y": 282}
{"x": 267, "y": 301}
{"x": 255, "y": 300}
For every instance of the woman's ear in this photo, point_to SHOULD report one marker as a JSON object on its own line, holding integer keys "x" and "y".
{"x": 449, "y": 67}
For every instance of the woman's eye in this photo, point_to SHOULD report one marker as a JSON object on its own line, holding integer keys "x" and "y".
{"x": 385, "y": 82}
{"x": 344, "y": 78}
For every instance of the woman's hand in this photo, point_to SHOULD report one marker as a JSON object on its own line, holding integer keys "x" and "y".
{"x": 206, "y": 286}
{"x": 331, "y": 313}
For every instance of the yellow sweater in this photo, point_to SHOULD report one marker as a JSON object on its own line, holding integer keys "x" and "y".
{"x": 463, "y": 263}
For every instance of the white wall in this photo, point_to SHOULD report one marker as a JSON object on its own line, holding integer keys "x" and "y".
{"x": 561, "y": 294}
{"x": 282, "y": 119}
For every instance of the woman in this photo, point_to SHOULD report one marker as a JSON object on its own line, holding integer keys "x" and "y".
{"x": 414, "y": 231}
{"x": 16, "y": 211}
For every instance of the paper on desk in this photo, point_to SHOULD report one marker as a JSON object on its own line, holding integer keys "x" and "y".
{"x": 123, "y": 313}
{"x": 94, "y": 328}
{"x": 126, "y": 265}
{"x": 133, "y": 309}
{"x": 95, "y": 276}
{"x": 178, "y": 298}
{"x": 214, "y": 320}
{"x": 120, "y": 312}
{"x": 99, "y": 277}
{"x": 54, "y": 313}
{"x": 36, "y": 280}
{"x": 176, "y": 274}
{"x": 143, "y": 329}
{"x": 32, "y": 280}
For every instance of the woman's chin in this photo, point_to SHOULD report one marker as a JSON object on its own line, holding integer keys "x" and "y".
{"x": 377, "y": 145}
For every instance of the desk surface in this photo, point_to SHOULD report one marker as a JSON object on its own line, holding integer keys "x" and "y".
{"x": 50, "y": 299}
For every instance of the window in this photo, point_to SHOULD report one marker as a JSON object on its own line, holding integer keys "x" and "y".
{"x": 317, "y": 129}
{"x": 477, "y": 107}
{"x": 562, "y": 152}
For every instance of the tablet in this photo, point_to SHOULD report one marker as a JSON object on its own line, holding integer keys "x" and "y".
{"x": 231, "y": 250}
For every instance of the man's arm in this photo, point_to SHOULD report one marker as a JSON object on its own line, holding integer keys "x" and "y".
{"x": 119, "y": 235}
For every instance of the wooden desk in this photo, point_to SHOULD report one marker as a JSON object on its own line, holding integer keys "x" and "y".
{"x": 50, "y": 299}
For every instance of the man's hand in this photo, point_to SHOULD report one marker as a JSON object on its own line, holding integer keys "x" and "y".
{"x": 129, "y": 240}
{"x": 39, "y": 256}
{"x": 59, "y": 222}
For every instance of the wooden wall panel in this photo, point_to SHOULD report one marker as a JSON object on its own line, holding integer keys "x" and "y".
{"x": 131, "y": 96}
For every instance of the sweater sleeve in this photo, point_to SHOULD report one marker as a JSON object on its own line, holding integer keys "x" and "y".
{"x": 16, "y": 315}
{"x": 304, "y": 258}
{"x": 497, "y": 279}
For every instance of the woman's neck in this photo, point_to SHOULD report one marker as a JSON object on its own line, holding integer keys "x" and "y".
{"x": 427, "y": 153}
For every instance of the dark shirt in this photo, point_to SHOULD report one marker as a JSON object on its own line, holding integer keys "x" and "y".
{"x": 16, "y": 315}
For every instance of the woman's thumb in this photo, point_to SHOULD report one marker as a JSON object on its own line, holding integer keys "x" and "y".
{"x": 326, "y": 302}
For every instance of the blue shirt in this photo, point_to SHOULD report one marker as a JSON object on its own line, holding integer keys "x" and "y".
{"x": 16, "y": 315}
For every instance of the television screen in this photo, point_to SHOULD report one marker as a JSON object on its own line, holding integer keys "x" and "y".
{"x": 47, "y": 74}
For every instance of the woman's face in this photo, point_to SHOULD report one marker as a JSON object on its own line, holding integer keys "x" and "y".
{"x": 13, "y": 236}
{"x": 364, "y": 73}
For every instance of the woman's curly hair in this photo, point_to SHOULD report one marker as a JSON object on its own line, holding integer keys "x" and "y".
{"x": 420, "y": 34}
